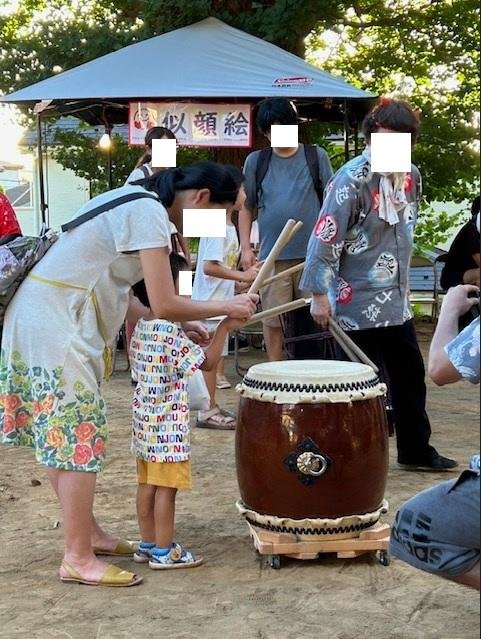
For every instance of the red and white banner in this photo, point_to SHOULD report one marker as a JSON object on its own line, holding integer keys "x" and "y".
{"x": 193, "y": 124}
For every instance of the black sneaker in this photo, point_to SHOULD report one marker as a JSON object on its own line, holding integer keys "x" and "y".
{"x": 437, "y": 464}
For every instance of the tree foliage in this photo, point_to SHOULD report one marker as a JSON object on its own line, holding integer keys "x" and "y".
{"x": 43, "y": 35}
{"x": 424, "y": 50}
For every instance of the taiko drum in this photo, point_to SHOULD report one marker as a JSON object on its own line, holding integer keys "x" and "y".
{"x": 312, "y": 440}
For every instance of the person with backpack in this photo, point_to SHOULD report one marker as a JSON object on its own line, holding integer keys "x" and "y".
{"x": 61, "y": 324}
{"x": 144, "y": 169}
{"x": 281, "y": 183}
{"x": 357, "y": 268}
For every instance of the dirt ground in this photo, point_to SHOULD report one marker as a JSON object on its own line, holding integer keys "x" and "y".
{"x": 231, "y": 596}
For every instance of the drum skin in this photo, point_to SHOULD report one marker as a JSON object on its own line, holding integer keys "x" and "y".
{"x": 353, "y": 435}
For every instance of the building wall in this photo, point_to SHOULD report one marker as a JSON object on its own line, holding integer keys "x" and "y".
{"x": 65, "y": 194}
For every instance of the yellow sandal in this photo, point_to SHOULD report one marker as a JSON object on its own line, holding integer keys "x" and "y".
{"x": 113, "y": 577}
{"x": 122, "y": 549}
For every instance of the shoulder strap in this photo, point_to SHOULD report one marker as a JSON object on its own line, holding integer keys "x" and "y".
{"x": 145, "y": 171}
{"x": 312, "y": 160}
{"x": 106, "y": 207}
{"x": 262, "y": 166}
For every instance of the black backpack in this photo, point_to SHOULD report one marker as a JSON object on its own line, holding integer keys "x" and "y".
{"x": 312, "y": 161}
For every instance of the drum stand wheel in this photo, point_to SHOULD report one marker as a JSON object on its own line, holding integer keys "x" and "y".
{"x": 272, "y": 546}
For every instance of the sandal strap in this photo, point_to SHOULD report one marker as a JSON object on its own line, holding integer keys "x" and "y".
{"x": 70, "y": 571}
{"x": 207, "y": 414}
{"x": 227, "y": 413}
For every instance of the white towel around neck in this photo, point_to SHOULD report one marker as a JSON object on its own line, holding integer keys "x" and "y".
{"x": 392, "y": 196}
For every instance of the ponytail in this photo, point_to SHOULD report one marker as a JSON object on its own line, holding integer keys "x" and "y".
{"x": 223, "y": 182}
{"x": 145, "y": 159}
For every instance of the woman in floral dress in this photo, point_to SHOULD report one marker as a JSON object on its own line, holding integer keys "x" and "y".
{"x": 59, "y": 329}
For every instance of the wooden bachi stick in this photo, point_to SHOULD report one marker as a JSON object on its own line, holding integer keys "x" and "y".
{"x": 288, "y": 271}
{"x": 345, "y": 341}
{"x": 296, "y": 228}
{"x": 278, "y": 310}
{"x": 286, "y": 235}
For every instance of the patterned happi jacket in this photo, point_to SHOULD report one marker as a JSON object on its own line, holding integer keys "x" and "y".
{"x": 360, "y": 261}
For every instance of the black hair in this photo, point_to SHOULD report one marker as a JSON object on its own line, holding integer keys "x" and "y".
{"x": 475, "y": 206}
{"x": 275, "y": 111}
{"x": 391, "y": 114}
{"x": 223, "y": 181}
{"x": 155, "y": 133}
{"x": 177, "y": 264}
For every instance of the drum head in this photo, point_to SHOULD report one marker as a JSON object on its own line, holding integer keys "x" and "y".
{"x": 310, "y": 381}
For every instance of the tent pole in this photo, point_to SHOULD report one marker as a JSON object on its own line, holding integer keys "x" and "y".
{"x": 43, "y": 204}
{"x": 356, "y": 136}
{"x": 346, "y": 131}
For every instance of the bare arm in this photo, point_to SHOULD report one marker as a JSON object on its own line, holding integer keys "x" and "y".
{"x": 248, "y": 257}
{"x": 166, "y": 304}
{"x": 455, "y": 304}
{"x": 216, "y": 269}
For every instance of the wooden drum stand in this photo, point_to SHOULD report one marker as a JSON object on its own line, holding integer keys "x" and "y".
{"x": 271, "y": 545}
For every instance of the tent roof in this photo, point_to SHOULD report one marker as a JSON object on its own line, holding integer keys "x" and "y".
{"x": 208, "y": 59}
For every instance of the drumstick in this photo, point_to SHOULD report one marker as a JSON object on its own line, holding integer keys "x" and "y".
{"x": 288, "y": 271}
{"x": 345, "y": 347}
{"x": 345, "y": 341}
{"x": 287, "y": 234}
{"x": 296, "y": 228}
{"x": 277, "y": 310}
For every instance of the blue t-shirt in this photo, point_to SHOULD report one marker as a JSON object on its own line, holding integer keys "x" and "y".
{"x": 287, "y": 192}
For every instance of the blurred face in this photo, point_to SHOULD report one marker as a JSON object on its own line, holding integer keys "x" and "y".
{"x": 192, "y": 199}
{"x": 149, "y": 150}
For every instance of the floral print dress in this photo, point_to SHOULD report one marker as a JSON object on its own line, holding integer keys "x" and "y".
{"x": 57, "y": 326}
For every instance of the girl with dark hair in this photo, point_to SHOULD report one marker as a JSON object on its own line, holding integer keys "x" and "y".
{"x": 144, "y": 169}
{"x": 155, "y": 133}
{"x": 357, "y": 268}
{"x": 59, "y": 329}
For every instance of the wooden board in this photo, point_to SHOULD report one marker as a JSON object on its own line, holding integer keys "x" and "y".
{"x": 371, "y": 540}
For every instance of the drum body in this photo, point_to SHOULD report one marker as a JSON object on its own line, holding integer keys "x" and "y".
{"x": 312, "y": 440}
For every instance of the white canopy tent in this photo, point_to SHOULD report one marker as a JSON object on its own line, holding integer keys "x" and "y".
{"x": 208, "y": 59}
